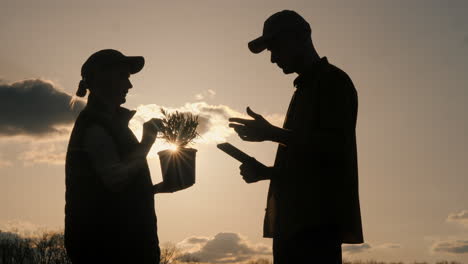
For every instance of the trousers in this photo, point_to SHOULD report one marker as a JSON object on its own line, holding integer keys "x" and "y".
{"x": 316, "y": 245}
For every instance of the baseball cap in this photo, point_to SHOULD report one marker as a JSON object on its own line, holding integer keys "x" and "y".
{"x": 109, "y": 57}
{"x": 280, "y": 22}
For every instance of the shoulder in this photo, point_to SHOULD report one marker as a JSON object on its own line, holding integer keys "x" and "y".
{"x": 335, "y": 74}
{"x": 95, "y": 134}
{"x": 334, "y": 79}
{"x": 95, "y": 129}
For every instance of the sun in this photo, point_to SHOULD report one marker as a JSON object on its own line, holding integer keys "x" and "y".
{"x": 173, "y": 147}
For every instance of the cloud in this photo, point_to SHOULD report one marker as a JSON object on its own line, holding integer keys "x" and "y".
{"x": 460, "y": 218}
{"x": 465, "y": 40}
{"x": 208, "y": 94}
{"x": 38, "y": 111}
{"x": 197, "y": 240}
{"x": 366, "y": 247}
{"x": 213, "y": 128}
{"x": 213, "y": 121}
{"x": 388, "y": 246}
{"x": 5, "y": 163}
{"x": 44, "y": 153}
{"x": 223, "y": 248}
{"x": 358, "y": 248}
{"x": 451, "y": 247}
{"x": 36, "y": 108}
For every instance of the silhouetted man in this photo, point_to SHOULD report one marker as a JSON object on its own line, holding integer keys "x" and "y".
{"x": 313, "y": 200}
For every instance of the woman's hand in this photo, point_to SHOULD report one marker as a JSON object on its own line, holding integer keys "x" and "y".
{"x": 151, "y": 129}
{"x": 161, "y": 188}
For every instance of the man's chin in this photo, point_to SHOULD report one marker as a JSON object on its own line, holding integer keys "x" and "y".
{"x": 287, "y": 71}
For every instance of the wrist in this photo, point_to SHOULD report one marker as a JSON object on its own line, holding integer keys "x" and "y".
{"x": 148, "y": 141}
{"x": 145, "y": 146}
{"x": 280, "y": 135}
{"x": 272, "y": 133}
{"x": 156, "y": 188}
{"x": 268, "y": 173}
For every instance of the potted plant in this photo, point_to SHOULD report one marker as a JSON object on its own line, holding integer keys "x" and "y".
{"x": 178, "y": 164}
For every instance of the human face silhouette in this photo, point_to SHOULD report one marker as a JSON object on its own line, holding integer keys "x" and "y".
{"x": 114, "y": 84}
{"x": 285, "y": 52}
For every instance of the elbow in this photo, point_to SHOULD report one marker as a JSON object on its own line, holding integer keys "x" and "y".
{"x": 113, "y": 187}
{"x": 112, "y": 183}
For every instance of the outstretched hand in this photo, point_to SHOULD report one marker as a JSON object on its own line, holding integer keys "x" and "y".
{"x": 258, "y": 129}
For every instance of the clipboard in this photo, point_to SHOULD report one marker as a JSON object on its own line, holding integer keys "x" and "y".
{"x": 234, "y": 152}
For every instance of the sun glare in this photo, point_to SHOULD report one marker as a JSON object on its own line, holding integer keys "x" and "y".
{"x": 173, "y": 147}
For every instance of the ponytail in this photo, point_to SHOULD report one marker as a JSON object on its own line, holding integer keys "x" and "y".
{"x": 81, "y": 92}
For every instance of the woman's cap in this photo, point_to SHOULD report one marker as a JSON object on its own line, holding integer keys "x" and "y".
{"x": 108, "y": 57}
{"x": 280, "y": 22}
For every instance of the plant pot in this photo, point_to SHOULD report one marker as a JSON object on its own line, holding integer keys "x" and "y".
{"x": 178, "y": 168}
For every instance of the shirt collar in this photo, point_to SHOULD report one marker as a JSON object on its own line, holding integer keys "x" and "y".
{"x": 310, "y": 72}
{"x": 122, "y": 114}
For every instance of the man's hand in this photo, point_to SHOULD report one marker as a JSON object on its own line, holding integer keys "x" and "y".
{"x": 258, "y": 129}
{"x": 254, "y": 171}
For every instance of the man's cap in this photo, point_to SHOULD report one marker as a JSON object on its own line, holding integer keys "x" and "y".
{"x": 103, "y": 59}
{"x": 280, "y": 22}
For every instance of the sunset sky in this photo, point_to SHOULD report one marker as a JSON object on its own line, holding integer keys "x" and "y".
{"x": 407, "y": 59}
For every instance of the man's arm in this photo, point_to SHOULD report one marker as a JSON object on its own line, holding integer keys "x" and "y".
{"x": 335, "y": 119}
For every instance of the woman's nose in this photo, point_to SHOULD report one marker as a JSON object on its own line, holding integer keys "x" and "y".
{"x": 273, "y": 58}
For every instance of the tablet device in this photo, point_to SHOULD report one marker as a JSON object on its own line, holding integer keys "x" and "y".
{"x": 234, "y": 152}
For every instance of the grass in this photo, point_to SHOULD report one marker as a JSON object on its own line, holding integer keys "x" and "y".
{"x": 49, "y": 248}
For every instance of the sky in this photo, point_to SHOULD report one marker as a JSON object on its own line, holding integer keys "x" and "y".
{"x": 407, "y": 59}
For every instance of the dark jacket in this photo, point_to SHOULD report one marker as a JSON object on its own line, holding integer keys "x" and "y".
{"x": 316, "y": 185}
{"x": 115, "y": 226}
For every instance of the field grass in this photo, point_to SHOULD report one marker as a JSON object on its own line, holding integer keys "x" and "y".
{"x": 49, "y": 248}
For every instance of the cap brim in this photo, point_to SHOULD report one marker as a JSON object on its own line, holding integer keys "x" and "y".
{"x": 258, "y": 45}
{"x": 135, "y": 63}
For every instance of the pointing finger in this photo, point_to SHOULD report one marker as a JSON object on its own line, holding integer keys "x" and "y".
{"x": 237, "y": 127}
{"x": 240, "y": 120}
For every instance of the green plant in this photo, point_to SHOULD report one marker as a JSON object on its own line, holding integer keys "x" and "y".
{"x": 178, "y": 128}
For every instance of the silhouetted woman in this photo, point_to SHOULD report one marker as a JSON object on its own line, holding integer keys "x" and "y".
{"x": 110, "y": 215}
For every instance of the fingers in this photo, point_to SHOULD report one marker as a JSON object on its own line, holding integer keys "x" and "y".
{"x": 240, "y": 129}
{"x": 240, "y": 120}
{"x": 243, "y": 132}
{"x": 249, "y": 172}
{"x": 249, "y": 165}
{"x": 157, "y": 122}
{"x": 242, "y": 167}
{"x": 152, "y": 126}
{"x": 252, "y": 113}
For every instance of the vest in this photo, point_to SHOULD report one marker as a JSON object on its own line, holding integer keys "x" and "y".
{"x": 98, "y": 222}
